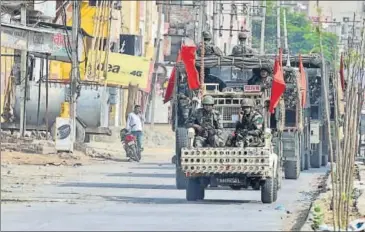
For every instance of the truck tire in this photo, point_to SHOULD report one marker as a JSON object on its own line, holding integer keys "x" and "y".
{"x": 180, "y": 179}
{"x": 292, "y": 169}
{"x": 280, "y": 177}
{"x": 306, "y": 161}
{"x": 194, "y": 190}
{"x": 181, "y": 135}
{"x": 316, "y": 159}
{"x": 269, "y": 190}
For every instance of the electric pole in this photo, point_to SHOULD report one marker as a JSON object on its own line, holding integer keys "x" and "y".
{"x": 263, "y": 21}
{"x": 23, "y": 74}
{"x": 201, "y": 22}
{"x": 1, "y": 3}
{"x": 278, "y": 33}
{"x": 75, "y": 68}
{"x": 215, "y": 22}
{"x": 157, "y": 57}
{"x": 286, "y": 45}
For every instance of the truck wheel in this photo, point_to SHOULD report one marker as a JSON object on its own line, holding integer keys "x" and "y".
{"x": 292, "y": 169}
{"x": 194, "y": 190}
{"x": 180, "y": 179}
{"x": 182, "y": 140}
{"x": 316, "y": 160}
{"x": 280, "y": 178}
{"x": 269, "y": 190}
{"x": 235, "y": 187}
{"x": 306, "y": 162}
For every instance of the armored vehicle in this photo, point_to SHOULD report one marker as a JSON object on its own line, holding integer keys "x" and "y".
{"x": 225, "y": 79}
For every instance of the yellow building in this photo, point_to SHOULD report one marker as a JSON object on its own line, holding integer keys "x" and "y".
{"x": 135, "y": 18}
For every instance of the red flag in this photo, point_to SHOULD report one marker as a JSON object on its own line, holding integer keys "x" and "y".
{"x": 278, "y": 85}
{"x": 171, "y": 83}
{"x": 188, "y": 58}
{"x": 342, "y": 73}
{"x": 303, "y": 81}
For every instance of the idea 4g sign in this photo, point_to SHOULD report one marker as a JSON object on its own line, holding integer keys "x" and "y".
{"x": 122, "y": 69}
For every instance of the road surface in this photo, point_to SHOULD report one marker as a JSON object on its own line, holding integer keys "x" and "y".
{"x": 142, "y": 196}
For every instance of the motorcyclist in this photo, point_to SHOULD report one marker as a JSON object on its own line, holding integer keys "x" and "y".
{"x": 207, "y": 124}
{"x": 249, "y": 128}
{"x": 241, "y": 49}
{"x": 209, "y": 48}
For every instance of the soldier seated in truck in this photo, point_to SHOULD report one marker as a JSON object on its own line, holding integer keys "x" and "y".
{"x": 241, "y": 49}
{"x": 249, "y": 129}
{"x": 207, "y": 124}
{"x": 264, "y": 79}
{"x": 209, "y": 48}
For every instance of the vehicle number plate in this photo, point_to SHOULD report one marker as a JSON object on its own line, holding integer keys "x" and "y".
{"x": 130, "y": 143}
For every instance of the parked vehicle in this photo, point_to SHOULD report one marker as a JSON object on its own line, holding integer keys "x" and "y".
{"x": 130, "y": 145}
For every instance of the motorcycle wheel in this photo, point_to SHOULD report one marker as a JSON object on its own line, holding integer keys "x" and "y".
{"x": 135, "y": 154}
{"x": 138, "y": 153}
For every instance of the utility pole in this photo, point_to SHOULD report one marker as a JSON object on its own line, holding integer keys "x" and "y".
{"x": 75, "y": 68}
{"x": 200, "y": 24}
{"x": 215, "y": 22}
{"x": 278, "y": 33}
{"x": 286, "y": 45}
{"x": 263, "y": 21}
{"x": 1, "y": 3}
{"x": 23, "y": 74}
{"x": 157, "y": 57}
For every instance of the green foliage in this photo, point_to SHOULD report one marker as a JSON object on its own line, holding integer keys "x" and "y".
{"x": 303, "y": 36}
{"x": 318, "y": 217}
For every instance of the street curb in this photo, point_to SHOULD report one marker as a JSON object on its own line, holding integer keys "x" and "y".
{"x": 326, "y": 181}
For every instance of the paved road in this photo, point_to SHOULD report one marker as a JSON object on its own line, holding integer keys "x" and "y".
{"x": 130, "y": 196}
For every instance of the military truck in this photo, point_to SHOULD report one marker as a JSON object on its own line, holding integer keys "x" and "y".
{"x": 256, "y": 167}
{"x": 318, "y": 125}
{"x": 296, "y": 123}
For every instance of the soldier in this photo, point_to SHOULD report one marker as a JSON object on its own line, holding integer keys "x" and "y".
{"x": 207, "y": 124}
{"x": 249, "y": 129}
{"x": 241, "y": 49}
{"x": 210, "y": 48}
{"x": 264, "y": 79}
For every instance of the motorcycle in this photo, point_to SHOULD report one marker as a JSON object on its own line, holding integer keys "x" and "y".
{"x": 130, "y": 145}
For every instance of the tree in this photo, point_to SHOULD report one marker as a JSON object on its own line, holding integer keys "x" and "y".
{"x": 303, "y": 36}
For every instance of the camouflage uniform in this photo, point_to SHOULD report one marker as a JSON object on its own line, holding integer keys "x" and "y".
{"x": 241, "y": 49}
{"x": 258, "y": 80}
{"x": 249, "y": 131}
{"x": 209, "y": 48}
{"x": 211, "y": 124}
{"x": 265, "y": 84}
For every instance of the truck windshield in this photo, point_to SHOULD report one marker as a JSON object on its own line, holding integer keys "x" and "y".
{"x": 230, "y": 73}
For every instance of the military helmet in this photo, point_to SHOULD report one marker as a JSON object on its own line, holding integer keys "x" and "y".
{"x": 206, "y": 35}
{"x": 242, "y": 35}
{"x": 265, "y": 68}
{"x": 208, "y": 100}
{"x": 247, "y": 102}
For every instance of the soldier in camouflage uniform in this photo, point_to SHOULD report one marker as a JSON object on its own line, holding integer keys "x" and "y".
{"x": 264, "y": 80}
{"x": 241, "y": 49}
{"x": 210, "y": 48}
{"x": 249, "y": 130}
{"x": 207, "y": 124}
